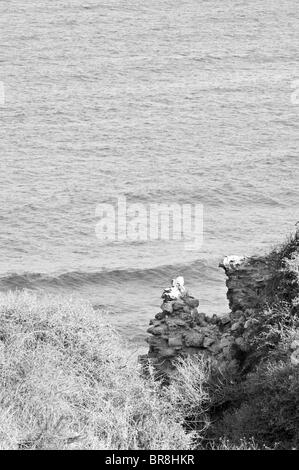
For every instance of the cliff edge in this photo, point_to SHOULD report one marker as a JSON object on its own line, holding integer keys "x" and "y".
{"x": 263, "y": 295}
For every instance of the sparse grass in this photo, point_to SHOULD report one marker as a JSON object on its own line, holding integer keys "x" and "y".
{"x": 68, "y": 382}
{"x": 242, "y": 444}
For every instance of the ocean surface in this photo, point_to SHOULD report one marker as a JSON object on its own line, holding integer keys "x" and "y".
{"x": 188, "y": 102}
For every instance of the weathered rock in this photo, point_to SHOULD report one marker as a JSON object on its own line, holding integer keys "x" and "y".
{"x": 175, "y": 341}
{"x": 175, "y": 322}
{"x": 160, "y": 315}
{"x": 176, "y": 291}
{"x": 193, "y": 338}
{"x": 214, "y": 348}
{"x": 187, "y": 318}
{"x": 187, "y": 309}
{"x": 199, "y": 318}
{"x": 156, "y": 341}
{"x": 225, "y": 319}
{"x": 250, "y": 322}
{"x": 178, "y": 305}
{"x": 235, "y": 326}
{"x": 232, "y": 262}
{"x": 156, "y": 330}
{"x": 180, "y": 330}
{"x": 154, "y": 322}
{"x": 167, "y": 307}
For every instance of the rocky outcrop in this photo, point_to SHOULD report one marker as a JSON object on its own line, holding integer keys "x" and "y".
{"x": 181, "y": 330}
{"x": 234, "y": 341}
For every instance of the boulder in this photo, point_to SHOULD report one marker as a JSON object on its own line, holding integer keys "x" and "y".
{"x": 232, "y": 262}
{"x": 167, "y": 307}
{"x": 178, "y": 305}
{"x": 156, "y": 330}
{"x": 193, "y": 339}
{"x": 187, "y": 309}
{"x": 235, "y": 326}
{"x": 160, "y": 315}
{"x": 225, "y": 319}
{"x": 176, "y": 291}
{"x": 199, "y": 318}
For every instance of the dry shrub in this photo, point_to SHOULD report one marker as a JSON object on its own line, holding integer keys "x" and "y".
{"x": 68, "y": 382}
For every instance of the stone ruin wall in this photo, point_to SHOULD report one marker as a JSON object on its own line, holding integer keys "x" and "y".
{"x": 180, "y": 329}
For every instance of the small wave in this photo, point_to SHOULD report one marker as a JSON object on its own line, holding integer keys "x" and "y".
{"x": 76, "y": 279}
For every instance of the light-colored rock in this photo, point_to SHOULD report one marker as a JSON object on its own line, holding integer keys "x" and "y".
{"x": 295, "y": 344}
{"x": 167, "y": 307}
{"x": 235, "y": 326}
{"x": 214, "y": 348}
{"x": 187, "y": 309}
{"x": 176, "y": 291}
{"x": 250, "y": 322}
{"x": 232, "y": 262}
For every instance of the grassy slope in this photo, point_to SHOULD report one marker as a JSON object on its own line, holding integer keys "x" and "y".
{"x": 67, "y": 382}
